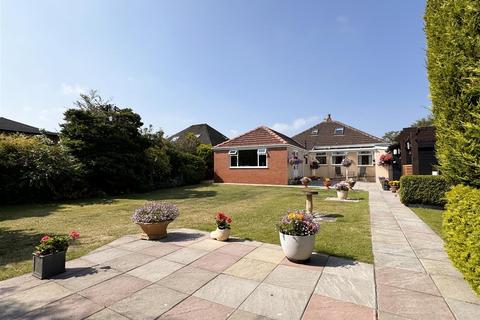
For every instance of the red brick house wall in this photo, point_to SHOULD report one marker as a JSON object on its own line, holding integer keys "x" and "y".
{"x": 276, "y": 173}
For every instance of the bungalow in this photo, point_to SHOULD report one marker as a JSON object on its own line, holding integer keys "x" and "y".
{"x": 8, "y": 126}
{"x": 264, "y": 155}
{"x": 204, "y": 133}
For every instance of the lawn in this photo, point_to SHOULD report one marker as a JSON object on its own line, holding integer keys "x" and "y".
{"x": 254, "y": 209}
{"x": 432, "y": 217}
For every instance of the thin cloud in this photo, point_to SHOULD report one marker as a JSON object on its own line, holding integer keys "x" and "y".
{"x": 73, "y": 89}
{"x": 296, "y": 126}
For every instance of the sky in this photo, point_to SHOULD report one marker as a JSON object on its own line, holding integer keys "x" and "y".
{"x": 234, "y": 64}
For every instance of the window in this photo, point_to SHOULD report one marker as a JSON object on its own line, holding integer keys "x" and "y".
{"x": 365, "y": 158}
{"x": 174, "y": 139}
{"x": 339, "y": 131}
{"x": 198, "y": 135}
{"x": 315, "y": 132}
{"x": 248, "y": 158}
{"x": 337, "y": 158}
{"x": 321, "y": 157}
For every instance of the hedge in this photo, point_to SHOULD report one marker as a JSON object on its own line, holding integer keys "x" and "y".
{"x": 452, "y": 28}
{"x": 461, "y": 226}
{"x": 419, "y": 189}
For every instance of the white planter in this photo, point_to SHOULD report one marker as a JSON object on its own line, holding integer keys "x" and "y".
{"x": 220, "y": 234}
{"x": 297, "y": 248}
{"x": 342, "y": 195}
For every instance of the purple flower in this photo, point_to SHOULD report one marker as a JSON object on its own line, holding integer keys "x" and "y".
{"x": 153, "y": 211}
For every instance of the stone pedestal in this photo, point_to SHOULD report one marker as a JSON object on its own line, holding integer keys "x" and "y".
{"x": 309, "y": 202}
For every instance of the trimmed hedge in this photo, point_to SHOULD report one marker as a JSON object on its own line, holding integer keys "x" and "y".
{"x": 461, "y": 226}
{"x": 428, "y": 190}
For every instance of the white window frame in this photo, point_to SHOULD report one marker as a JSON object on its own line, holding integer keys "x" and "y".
{"x": 314, "y": 132}
{"x": 260, "y": 152}
{"x": 365, "y": 153}
{"x": 337, "y": 154}
{"x": 339, "y": 134}
{"x": 323, "y": 154}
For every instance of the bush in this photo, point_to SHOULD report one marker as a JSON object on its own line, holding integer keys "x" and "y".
{"x": 428, "y": 190}
{"x": 187, "y": 168}
{"x": 453, "y": 54}
{"x": 461, "y": 226}
{"x": 205, "y": 152}
{"x": 33, "y": 168}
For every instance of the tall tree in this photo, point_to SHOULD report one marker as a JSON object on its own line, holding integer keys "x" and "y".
{"x": 423, "y": 122}
{"x": 453, "y": 61}
{"x": 391, "y": 136}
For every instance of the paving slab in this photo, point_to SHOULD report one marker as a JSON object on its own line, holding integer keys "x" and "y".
{"x": 348, "y": 268}
{"x": 23, "y": 302}
{"x": 128, "y": 262}
{"x": 266, "y": 254}
{"x": 208, "y": 244}
{"x": 185, "y": 255}
{"x": 464, "y": 310}
{"x": 321, "y": 307}
{"x": 293, "y": 278}
{"x": 155, "y": 270}
{"x": 105, "y": 255}
{"x": 250, "y": 269}
{"x": 441, "y": 268}
{"x": 107, "y": 314}
{"x": 276, "y": 302}
{"x": 351, "y": 289}
{"x": 86, "y": 277}
{"x": 215, "y": 261}
{"x": 136, "y": 245}
{"x": 401, "y": 250}
{"x": 18, "y": 284}
{"x": 71, "y": 307}
{"x": 316, "y": 262}
{"x": 382, "y": 315}
{"x": 236, "y": 249}
{"x": 397, "y": 261}
{"x": 227, "y": 290}
{"x": 431, "y": 254}
{"x": 188, "y": 279}
{"x": 123, "y": 240}
{"x": 148, "y": 303}
{"x": 113, "y": 290}
{"x": 406, "y": 279}
{"x": 244, "y": 315}
{"x": 452, "y": 288}
{"x": 160, "y": 250}
{"x": 412, "y": 304}
{"x": 184, "y": 237}
{"x": 195, "y": 308}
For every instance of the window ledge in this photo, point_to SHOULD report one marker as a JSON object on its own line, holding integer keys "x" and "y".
{"x": 249, "y": 167}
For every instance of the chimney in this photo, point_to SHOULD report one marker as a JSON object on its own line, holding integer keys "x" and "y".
{"x": 328, "y": 118}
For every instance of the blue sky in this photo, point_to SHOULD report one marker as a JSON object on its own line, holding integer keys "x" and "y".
{"x": 233, "y": 64}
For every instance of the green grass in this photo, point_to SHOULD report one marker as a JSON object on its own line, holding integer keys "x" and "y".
{"x": 432, "y": 217}
{"x": 254, "y": 209}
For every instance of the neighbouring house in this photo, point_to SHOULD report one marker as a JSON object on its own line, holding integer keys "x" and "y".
{"x": 205, "y": 134}
{"x": 8, "y": 126}
{"x": 331, "y": 141}
{"x": 265, "y": 156}
{"x": 259, "y": 156}
{"x": 416, "y": 149}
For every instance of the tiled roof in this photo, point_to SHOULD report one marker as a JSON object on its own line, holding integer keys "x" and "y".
{"x": 204, "y": 133}
{"x": 14, "y": 126}
{"x": 261, "y": 136}
{"x": 322, "y": 135}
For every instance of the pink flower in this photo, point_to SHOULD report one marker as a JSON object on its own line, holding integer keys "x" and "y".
{"x": 74, "y": 234}
{"x": 45, "y": 238}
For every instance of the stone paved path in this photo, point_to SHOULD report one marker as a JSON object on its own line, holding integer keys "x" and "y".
{"x": 414, "y": 277}
{"x": 189, "y": 276}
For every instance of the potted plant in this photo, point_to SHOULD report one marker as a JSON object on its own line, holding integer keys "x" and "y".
{"x": 49, "y": 255}
{"x": 386, "y": 185}
{"x": 346, "y": 163}
{"x": 351, "y": 182}
{"x": 305, "y": 181}
{"x": 327, "y": 183}
{"x": 297, "y": 231}
{"x": 223, "y": 227}
{"x": 342, "y": 190}
{"x": 314, "y": 166}
{"x": 385, "y": 159}
{"x": 394, "y": 184}
{"x": 153, "y": 217}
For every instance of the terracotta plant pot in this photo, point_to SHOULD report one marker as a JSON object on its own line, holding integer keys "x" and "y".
{"x": 342, "y": 195}
{"x": 154, "y": 231}
{"x": 49, "y": 265}
{"x": 297, "y": 248}
{"x": 220, "y": 234}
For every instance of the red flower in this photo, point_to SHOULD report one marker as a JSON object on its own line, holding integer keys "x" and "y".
{"x": 45, "y": 238}
{"x": 220, "y": 216}
{"x": 74, "y": 234}
{"x": 229, "y": 220}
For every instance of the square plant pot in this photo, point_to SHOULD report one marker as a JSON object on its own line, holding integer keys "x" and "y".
{"x": 47, "y": 266}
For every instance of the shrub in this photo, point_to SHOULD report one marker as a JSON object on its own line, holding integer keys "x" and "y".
{"x": 33, "y": 168}
{"x": 461, "y": 226}
{"x": 205, "y": 152}
{"x": 187, "y": 168}
{"x": 453, "y": 54}
{"x": 428, "y": 190}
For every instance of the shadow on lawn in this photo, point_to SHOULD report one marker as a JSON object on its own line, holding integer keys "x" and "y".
{"x": 17, "y": 245}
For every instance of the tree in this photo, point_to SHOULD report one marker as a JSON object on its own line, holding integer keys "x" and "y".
{"x": 108, "y": 142}
{"x": 188, "y": 143}
{"x": 453, "y": 63}
{"x": 205, "y": 152}
{"x": 423, "y": 122}
{"x": 391, "y": 136}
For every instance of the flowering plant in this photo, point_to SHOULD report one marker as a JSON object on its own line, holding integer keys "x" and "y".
{"x": 342, "y": 186}
{"x": 298, "y": 223}
{"x": 152, "y": 212}
{"x": 306, "y": 181}
{"x": 347, "y": 162}
{"x": 385, "y": 159}
{"x": 54, "y": 244}
{"x": 223, "y": 221}
{"x": 314, "y": 165}
{"x": 294, "y": 161}
{"x": 394, "y": 183}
